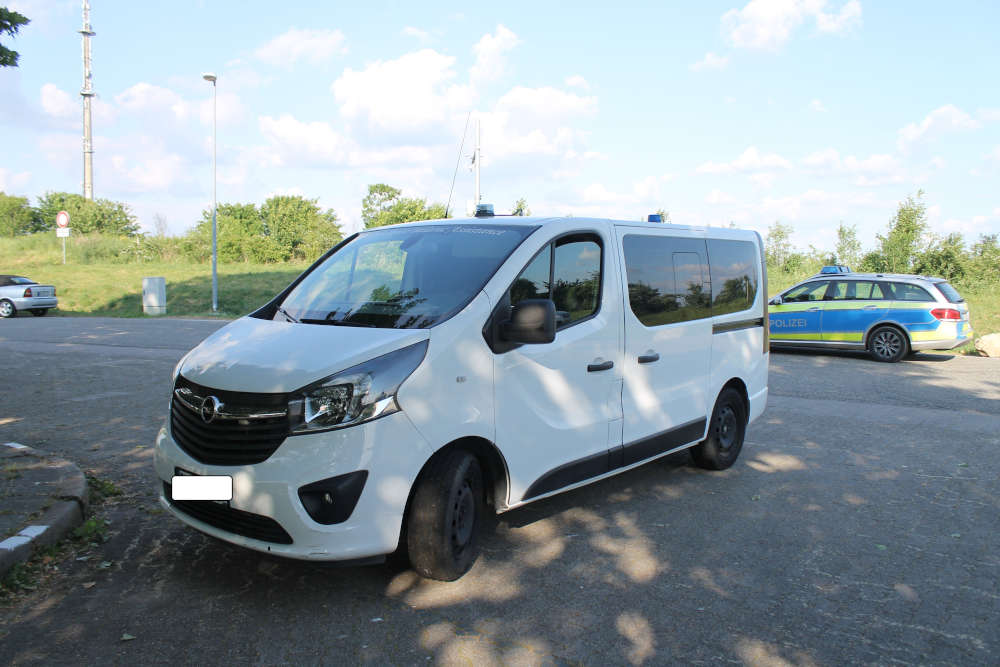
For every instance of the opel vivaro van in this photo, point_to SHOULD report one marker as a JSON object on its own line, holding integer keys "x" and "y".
{"x": 419, "y": 374}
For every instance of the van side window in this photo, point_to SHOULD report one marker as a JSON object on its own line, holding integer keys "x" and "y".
{"x": 667, "y": 279}
{"x": 576, "y": 280}
{"x": 734, "y": 275}
{"x": 908, "y": 292}
{"x": 569, "y": 274}
{"x": 533, "y": 283}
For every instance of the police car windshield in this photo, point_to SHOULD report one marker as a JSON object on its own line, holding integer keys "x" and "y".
{"x": 949, "y": 292}
{"x": 402, "y": 278}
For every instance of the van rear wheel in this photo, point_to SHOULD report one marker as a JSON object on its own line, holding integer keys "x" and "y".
{"x": 442, "y": 529}
{"x": 726, "y": 430}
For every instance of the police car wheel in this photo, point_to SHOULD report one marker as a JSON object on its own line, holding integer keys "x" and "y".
{"x": 725, "y": 433}
{"x": 442, "y": 528}
{"x": 887, "y": 344}
{"x": 7, "y": 309}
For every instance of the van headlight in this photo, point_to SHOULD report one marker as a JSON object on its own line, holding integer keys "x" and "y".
{"x": 356, "y": 395}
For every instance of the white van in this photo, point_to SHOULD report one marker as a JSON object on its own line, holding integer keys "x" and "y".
{"x": 417, "y": 374}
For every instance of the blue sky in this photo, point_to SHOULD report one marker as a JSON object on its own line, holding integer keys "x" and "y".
{"x": 810, "y": 112}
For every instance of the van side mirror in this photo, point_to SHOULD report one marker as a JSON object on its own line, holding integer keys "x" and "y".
{"x": 776, "y": 301}
{"x": 531, "y": 321}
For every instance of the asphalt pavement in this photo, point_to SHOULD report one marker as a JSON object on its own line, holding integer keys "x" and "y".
{"x": 860, "y": 525}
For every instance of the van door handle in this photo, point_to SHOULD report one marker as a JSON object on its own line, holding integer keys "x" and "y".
{"x": 649, "y": 358}
{"x": 813, "y": 309}
{"x": 870, "y": 307}
{"x": 593, "y": 368}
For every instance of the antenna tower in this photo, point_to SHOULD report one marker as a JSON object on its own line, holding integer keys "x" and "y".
{"x": 87, "y": 93}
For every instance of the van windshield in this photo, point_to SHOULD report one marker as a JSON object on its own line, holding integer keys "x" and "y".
{"x": 402, "y": 278}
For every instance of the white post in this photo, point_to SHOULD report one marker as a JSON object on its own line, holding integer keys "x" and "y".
{"x": 208, "y": 76}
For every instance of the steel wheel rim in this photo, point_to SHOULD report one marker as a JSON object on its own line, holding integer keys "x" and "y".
{"x": 463, "y": 517}
{"x": 727, "y": 427}
{"x": 887, "y": 344}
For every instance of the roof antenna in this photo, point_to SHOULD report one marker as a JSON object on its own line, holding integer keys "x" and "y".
{"x": 457, "y": 161}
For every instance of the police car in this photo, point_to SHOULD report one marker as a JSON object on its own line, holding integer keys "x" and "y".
{"x": 890, "y": 315}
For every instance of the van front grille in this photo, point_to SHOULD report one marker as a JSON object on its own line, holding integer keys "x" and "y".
{"x": 236, "y": 428}
{"x": 226, "y": 518}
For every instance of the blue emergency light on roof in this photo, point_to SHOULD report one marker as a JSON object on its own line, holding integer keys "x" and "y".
{"x": 654, "y": 217}
{"x": 484, "y": 210}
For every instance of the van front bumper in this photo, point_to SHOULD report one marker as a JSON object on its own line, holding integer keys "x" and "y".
{"x": 266, "y": 512}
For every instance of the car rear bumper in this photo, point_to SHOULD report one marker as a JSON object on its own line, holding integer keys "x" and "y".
{"x": 33, "y": 302}
{"x": 948, "y": 344}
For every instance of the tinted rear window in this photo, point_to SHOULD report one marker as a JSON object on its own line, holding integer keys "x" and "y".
{"x": 734, "y": 275}
{"x": 949, "y": 292}
{"x": 908, "y": 292}
{"x": 668, "y": 279}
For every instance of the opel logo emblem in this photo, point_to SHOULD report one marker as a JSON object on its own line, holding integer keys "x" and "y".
{"x": 210, "y": 407}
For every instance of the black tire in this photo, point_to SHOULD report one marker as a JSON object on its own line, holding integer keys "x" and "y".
{"x": 39, "y": 312}
{"x": 888, "y": 344}
{"x": 7, "y": 308}
{"x": 726, "y": 430}
{"x": 442, "y": 527}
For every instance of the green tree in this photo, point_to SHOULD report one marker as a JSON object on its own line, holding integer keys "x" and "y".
{"x": 778, "y": 246}
{"x": 521, "y": 207}
{"x": 298, "y": 224}
{"x": 901, "y": 244}
{"x": 10, "y": 23}
{"x": 99, "y": 215}
{"x": 848, "y": 249}
{"x": 665, "y": 215}
{"x": 284, "y": 228}
{"x": 984, "y": 259}
{"x": 17, "y": 216}
{"x": 945, "y": 257}
{"x": 385, "y": 205}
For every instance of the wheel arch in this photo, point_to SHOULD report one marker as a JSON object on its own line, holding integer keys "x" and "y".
{"x": 492, "y": 463}
{"x": 741, "y": 387}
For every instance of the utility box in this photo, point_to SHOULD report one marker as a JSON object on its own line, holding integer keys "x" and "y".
{"x": 154, "y": 296}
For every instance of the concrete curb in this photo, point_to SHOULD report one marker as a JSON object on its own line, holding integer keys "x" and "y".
{"x": 61, "y": 517}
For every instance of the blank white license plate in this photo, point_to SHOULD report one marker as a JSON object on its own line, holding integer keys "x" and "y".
{"x": 201, "y": 487}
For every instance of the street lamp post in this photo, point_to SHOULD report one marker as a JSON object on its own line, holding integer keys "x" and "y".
{"x": 208, "y": 76}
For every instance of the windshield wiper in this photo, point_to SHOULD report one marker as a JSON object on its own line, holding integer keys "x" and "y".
{"x": 287, "y": 316}
{"x": 339, "y": 323}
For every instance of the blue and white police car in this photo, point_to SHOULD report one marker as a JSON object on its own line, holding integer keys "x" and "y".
{"x": 889, "y": 315}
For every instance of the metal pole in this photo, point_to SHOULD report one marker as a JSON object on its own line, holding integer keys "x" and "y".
{"x": 87, "y": 93}
{"x": 64, "y": 250}
{"x": 215, "y": 277}
{"x": 479, "y": 157}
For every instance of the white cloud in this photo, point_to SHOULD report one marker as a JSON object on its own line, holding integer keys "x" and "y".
{"x": 144, "y": 97}
{"x": 313, "y": 46}
{"x": 710, "y": 61}
{"x": 994, "y": 155}
{"x": 816, "y": 105}
{"x": 536, "y": 121}
{"x": 989, "y": 115}
{"x": 546, "y": 102}
{"x": 421, "y": 35}
{"x": 872, "y": 170}
{"x": 716, "y": 197}
{"x": 848, "y": 16}
{"x": 768, "y": 24}
{"x": 11, "y": 182}
{"x": 408, "y": 93}
{"x": 937, "y": 162}
{"x": 490, "y": 53}
{"x": 297, "y": 141}
{"x": 762, "y": 180}
{"x": 946, "y": 118}
{"x": 751, "y": 160}
{"x": 57, "y": 102}
{"x": 577, "y": 81}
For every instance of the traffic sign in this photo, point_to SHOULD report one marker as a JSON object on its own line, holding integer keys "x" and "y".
{"x": 62, "y": 219}
{"x": 62, "y": 232}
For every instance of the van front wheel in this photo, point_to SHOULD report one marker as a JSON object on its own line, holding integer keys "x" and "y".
{"x": 442, "y": 529}
{"x": 726, "y": 430}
